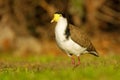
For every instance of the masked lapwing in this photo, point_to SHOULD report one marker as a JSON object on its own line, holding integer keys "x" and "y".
{"x": 71, "y": 39}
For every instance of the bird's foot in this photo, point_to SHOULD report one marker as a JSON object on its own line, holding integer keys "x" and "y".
{"x": 76, "y": 65}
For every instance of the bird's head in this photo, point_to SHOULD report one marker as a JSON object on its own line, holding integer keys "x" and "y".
{"x": 56, "y": 17}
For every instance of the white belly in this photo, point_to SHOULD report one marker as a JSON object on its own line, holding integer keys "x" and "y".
{"x": 70, "y": 47}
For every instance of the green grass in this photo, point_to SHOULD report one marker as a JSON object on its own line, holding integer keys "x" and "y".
{"x": 48, "y": 67}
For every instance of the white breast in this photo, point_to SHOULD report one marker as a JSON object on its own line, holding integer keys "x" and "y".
{"x": 67, "y": 45}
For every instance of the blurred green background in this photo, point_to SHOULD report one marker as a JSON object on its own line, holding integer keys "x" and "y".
{"x": 27, "y": 39}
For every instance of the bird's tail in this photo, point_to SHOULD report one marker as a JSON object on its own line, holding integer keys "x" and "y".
{"x": 94, "y": 53}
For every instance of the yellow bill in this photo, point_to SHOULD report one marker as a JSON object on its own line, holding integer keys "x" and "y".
{"x": 56, "y": 18}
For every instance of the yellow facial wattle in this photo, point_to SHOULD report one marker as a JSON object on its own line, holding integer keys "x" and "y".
{"x": 55, "y": 18}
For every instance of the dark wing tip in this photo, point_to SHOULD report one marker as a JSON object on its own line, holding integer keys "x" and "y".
{"x": 94, "y": 53}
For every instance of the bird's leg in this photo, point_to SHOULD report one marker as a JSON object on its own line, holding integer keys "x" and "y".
{"x": 78, "y": 61}
{"x": 73, "y": 60}
{"x": 76, "y": 65}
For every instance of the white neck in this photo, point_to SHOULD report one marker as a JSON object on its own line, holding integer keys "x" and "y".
{"x": 60, "y": 29}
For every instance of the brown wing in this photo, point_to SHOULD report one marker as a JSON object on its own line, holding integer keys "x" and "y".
{"x": 81, "y": 38}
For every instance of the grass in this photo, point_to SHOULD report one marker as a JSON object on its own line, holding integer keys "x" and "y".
{"x": 49, "y": 67}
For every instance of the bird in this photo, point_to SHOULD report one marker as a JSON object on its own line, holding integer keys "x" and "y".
{"x": 71, "y": 39}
